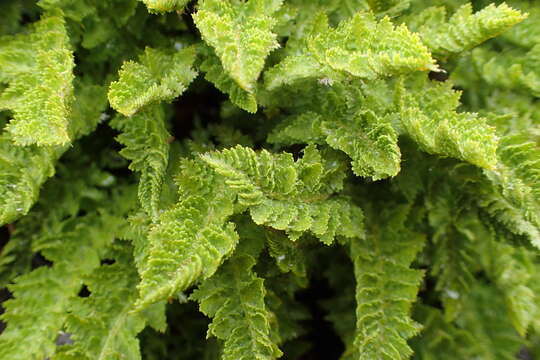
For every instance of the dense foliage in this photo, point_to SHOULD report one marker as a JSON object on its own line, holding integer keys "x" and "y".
{"x": 368, "y": 170}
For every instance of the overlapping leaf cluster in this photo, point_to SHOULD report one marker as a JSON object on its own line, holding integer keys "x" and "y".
{"x": 386, "y": 149}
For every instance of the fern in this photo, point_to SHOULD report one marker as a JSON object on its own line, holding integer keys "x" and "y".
{"x": 430, "y": 119}
{"x": 514, "y": 199}
{"x": 38, "y": 67}
{"x": 164, "y": 5}
{"x": 113, "y": 334}
{"x": 351, "y": 50}
{"x": 288, "y": 195}
{"x": 386, "y": 287}
{"x": 188, "y": 250}
{"x": 241, "y": 34}
{"x": 240, "y": 97}
{"x": 370, "y": 141}
{"x": 464, "y": 30}
{"x": 25, "y": 169}
{"x": 161, "y": 76}
{"x": 149, "y": 153}
{"x": 368, "y": 164}
{"x": 247, "y": 334}
{"x": 42, "y": 297}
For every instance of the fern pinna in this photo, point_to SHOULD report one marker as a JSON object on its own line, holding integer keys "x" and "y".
{"x": 298, "y": 179}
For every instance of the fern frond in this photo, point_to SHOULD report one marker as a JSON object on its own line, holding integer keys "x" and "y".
{"x": 455, "y": 240}
{"x": 101, "y": 325}
{"x": 370, "y": 141}
{"x": 464, "y": 30}
{"x": 440, "y": 339}
{"x": 360, "y": 47}
{"x": 159, "y": 6}
{"x": 513, "y": 199}
{"x": 42, "y": 297}
{"x": 241, "y": 34}
{"x": 510, "y": 269}
{"x": 288, "y": 195}
{"x": 386, "y": 286}
{"x": 160, "y": 75}
{"x": 215, "y": 73}
{"x": 429, "y": 117}
{"x": 388, "y": 6}
{"x": 484, "y": 316}
{"x": 146, "y": 144}
{"x": 39, "y": 69}
{"x": 234, "y": 299}
{"x": 189, "y": 241}
{"x": 25, "y": 169}
{"x": 515, "y": 70}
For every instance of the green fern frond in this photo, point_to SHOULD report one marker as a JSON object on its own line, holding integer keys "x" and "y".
{"x": 369, "y": 140}
{"x": 189, "y": 241}
{"x": 288, "y": 195}
{"x": 159, "y": 6}
{"x": 486, "y": 318}
{"x": 146, "y": 144}
{"x": 25, "y": 169}
{"x": 160, "y": 75}
{"x": 513, "y": 199}
{"x": 215, "y": 73}
{"x": 101, "y": 325}
{"x": 235, "y": 300}
{"x": 42, "y": 297}
{"x": 454, "y": 244}
{"x": 515, "y": 70}
{"x": 510, "y": 269}
{"x": 360, "y": 47}
{"x": 440, "y": 339}
{"x": 241, "y": 34}
{"x": 464, "y": 30}
{"x": 39, "y": 69}
{"x": 386, "y": 286}
{"x": 388, "y": 6}
{"x": 429, "y": 117}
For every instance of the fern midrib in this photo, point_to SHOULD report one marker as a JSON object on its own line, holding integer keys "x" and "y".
{"x": 245, "y": 311}
{"x": 114, "y": 330}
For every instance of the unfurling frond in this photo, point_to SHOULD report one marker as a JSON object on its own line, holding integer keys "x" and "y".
{"x": 146, "y": 144}
{"x": 38, "y": 67}
{"x": 361, "y": 47}
{"x": 234, "y": 299}
{"x": 159, "y": 76}
{"x": 241, "y": 34}
{"x": 464, "y": 30}
{"x": 429, "y": 117}
{"x": 288, "y": 195}
{"x": 386, "y": 286}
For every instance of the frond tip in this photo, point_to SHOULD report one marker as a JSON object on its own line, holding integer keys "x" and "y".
{"x": 234, "y": 299}
{"x": 241, "y": 34}
{"x": 465, "y": 30}
{"x": 160, "y": 75}
{"x": 39, "y": 69}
